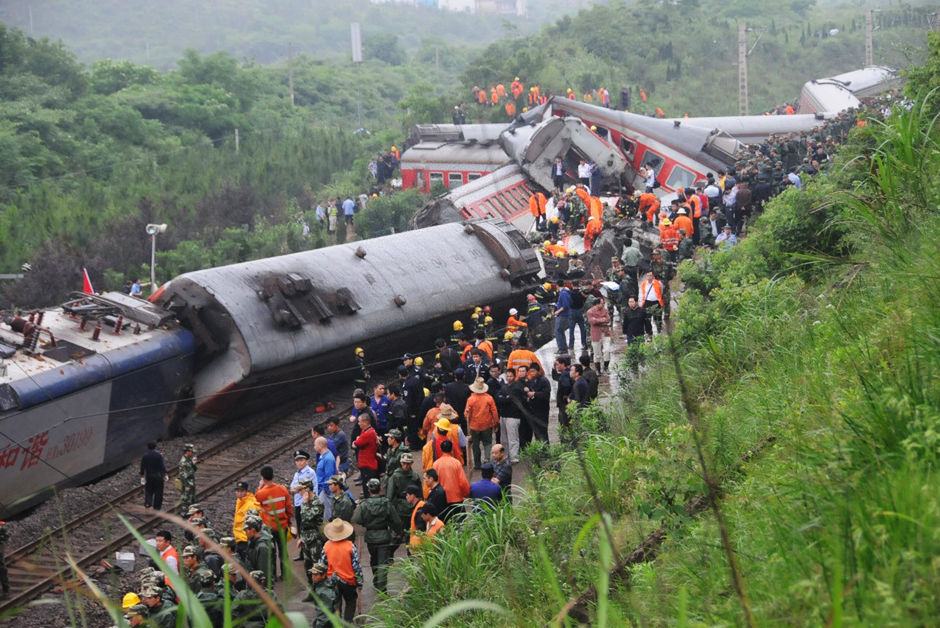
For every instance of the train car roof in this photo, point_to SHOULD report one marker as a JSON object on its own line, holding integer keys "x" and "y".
{"x": 459, "y": 154}
{"x": 754, "y": 129}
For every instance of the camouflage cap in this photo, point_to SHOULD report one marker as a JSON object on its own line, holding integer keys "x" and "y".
{"x": 373, "y": 485}
{"x": 252, "y": 522}
{"x": 395, "y": 433}
{"x": 189, "y": 550}
{"x": 137, "y": 610}
{"x": 144, "y": 572}
{"x": 258, "y": 576}
{"x": 227, "y": 541}
{"x": 336, "y": 479}
{"x": 211, "y": 534}
{"x": 252, "y": 512}
{"x": 307, "y": 484}
{"x": 205, "y": 577}
{"x": 156, "y": 580}
{"x": 150, "y": 591}
{"x": 318, "y": 568}
{"x": 198, "y": 521}
{"x": 193, "y": 509}
{"x": 189, "y": 447}
{"x": 407, "y": 457}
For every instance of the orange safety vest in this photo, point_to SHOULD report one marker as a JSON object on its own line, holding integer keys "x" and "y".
{"x": 414, "y": 540}
{"x": 657, "y": 290}
{"x": 481, "y": 96}
{"x": 669, "y": 238}
{"x": 649, "y": 204}
{"x": 494, "y": 97}
{"x": 513, "y": 324}
{"x": 436, "y": 527}
{"x": 684, "y": 222}
{"x": 595, "y": 208}
{"x": 501, "y": 90}
{"x": 696, "y": 204}
{"x": 510, "y": 109}
{"x": 339, "y": 561}
{"x": 167, "y": 553}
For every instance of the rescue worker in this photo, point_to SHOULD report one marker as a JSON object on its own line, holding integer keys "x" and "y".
{"x": 244, "y": 501}
{"x": 482, "y": 420}
{"x": 537, "y": 207}
{"x": 277, "y": 511}
{"x": 664, "y": 271}
{"x": 683, "y": 222}
{"x": 323, "y": 590}
{"x": 311, "y": 538}
{"x": 376, "y": 514}
{"x": 160, "y": 613}
{"x": 394, "y": 439}
{"x": 186, "y": 478}
{"x": 260, "y": 553}
{"x": 651, "y": 299}
{"x": 414, "y": 496}
{"x": 192, "y": 568}
{"x": 522, "y": 356}
{"x": 208, "y": 598}
{"x": 668, "y": 238}
{"x": 403, "y": 477}
{"x": 342, "y": 561}
{"x": 458, "y": 333}
{"x": 648, "y": 205}
{"x": 593, "y": 229}
{"x": 343, "y": 504}
{"x": 362, "y": 377}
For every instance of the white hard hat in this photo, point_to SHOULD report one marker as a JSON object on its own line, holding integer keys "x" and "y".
{"x": 513, "y": 311}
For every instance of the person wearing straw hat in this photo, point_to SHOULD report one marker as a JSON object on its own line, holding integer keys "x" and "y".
{"x": 342, "y": 564}
{"x": 482, "y": 420}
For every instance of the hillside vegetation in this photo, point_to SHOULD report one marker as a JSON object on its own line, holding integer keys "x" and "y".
{"x": 808, "y": 413}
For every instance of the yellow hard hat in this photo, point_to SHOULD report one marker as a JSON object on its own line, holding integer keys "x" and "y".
{"x": 477, "y": 309}
{"x": 570, "y": 190}
{"x": 508, "y": 335}
{"x": 130, "y": 599}
{"x": 667, "y": 222}
{"x": 427, "y": 393}
{"x": 359, "y": 350}
{"x": 419, "y": 361}
{"x": 516, "y": 79}
{"x": 393, "y": 148}
{"x": 593, "y": 128}
{"x": 475, "y": 316}
{"x": 458, "y": 325}
{"x": 546, "y": 243}
{"x": 555, "y": 220}
{"x": 572, "y": 253}
{"x": 487, "y": 320}
{"x": 546, "y": 286}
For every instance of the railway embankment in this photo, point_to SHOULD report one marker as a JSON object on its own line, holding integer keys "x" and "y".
{"x": 774, "y": 459}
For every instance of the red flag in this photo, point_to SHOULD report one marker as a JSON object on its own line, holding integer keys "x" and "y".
{"x": 86, "y": 282}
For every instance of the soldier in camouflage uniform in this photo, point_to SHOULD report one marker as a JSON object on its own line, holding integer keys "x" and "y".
{"x": 394, "y": 437}
{"x": 192, "y": 568}
{"x": 324, "y": 590}
{"x": 207, "y": 596}
{"x": 343, "y": 504}
{"x": 4, "y": 577}
{"x": 311, "y": 521}
{"x": 396, "y": 488}
{"x": 186, "y": 477}
{"x": 161, "y": 613}
{"x": 248, "y": 609}
{"x": 260, "y": 552}
{"x": 379, "y": 518}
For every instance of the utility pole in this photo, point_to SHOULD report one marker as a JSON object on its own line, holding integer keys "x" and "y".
{"x": 236, "y": 140}
{"x": 742, "y": 69}
{"x": 356, "y": 41}
{"x": 868, "y": 44}
{"x": 290, "y": 72}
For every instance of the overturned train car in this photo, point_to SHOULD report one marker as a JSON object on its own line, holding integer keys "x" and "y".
{"x": 275, "y": 327}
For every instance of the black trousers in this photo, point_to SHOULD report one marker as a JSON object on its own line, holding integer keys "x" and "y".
{"x": 380, "y": 557}
{"x": 153, "y": 493}
{"x": 348, "y": 595}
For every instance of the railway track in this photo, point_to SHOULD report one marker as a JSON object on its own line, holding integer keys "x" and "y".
{"x": 94, "y": 535}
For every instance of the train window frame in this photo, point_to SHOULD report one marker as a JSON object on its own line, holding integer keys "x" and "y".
{"x": 628, "y": 146}
{"x": 687, "y": 181}
{"x": 473, "y": 176}
{"x": 656, "y": 167}
{"x": 435, "y": 177}
{"x": 454, "y": 179}
{"x": 419, "y": 180}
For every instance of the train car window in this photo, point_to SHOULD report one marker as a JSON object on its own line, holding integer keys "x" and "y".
{"x": 680, "y": 178}
{"x": 420, "y": 179}
{"x": 627, "y": 147}
{"x": 649, "y": 157}
{"x": 473, "y": 176}
{"x": 454, "y": 179}
{"x": 436, "y": 177}
{"x": 601, "y": 131}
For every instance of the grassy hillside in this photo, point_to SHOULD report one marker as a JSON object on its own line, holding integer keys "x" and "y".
{"x": 777, "y": 461}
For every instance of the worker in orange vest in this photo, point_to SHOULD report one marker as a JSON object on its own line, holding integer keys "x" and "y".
{"x": 516, "y": 88}
{"x": 494, "y": 96}
{"x": 668, "y": 238}
{"x": 651, "y": 299}
{"x": 683, "y": 222}
{"x": 591, "y": 231}
{"x": 510, "y": 109}
{"x": 643, "y": 95}
{"x": 660, "y": 113}
{"x": 481, "y": 96}
{"x": 501, "y": 90}
{"x": 648, "y": 204}
{"x": 571, "y": 95}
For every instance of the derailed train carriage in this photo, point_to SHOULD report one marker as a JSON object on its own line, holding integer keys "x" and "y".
{"x": 84, "y": 387}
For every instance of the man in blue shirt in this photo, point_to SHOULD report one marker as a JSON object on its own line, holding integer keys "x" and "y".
{"x": 379, "y": 404}
{"x": 326, "y": 467}
{"x": 486, "y": 490}
{"x": 349, "y": 208}
{"x": 338, "y": 436}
